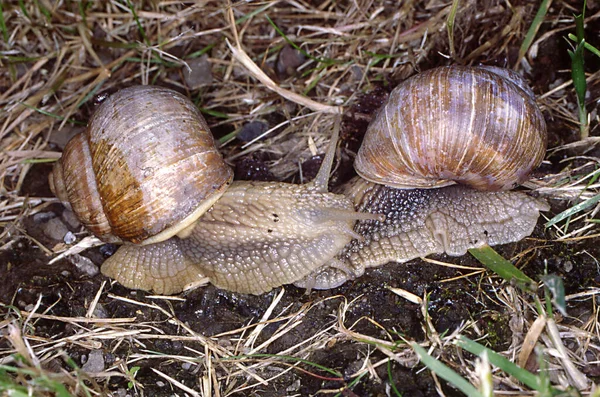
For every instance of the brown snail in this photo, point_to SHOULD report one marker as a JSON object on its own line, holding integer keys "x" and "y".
{"x": 259, "y": 235}
{"x": 255, "y": 237}
{"x": 476, "y": 126}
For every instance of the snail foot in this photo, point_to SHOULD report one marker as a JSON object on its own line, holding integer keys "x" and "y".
{"x": 159, "y": 267}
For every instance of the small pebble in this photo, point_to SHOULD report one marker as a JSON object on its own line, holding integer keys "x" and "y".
{"x": 568, "y": 266}
{"x": 69, "y": 238}
{"x": 294, "y": 387}
{"x": 54, "y": 229}
{"x": 200, "y": 74}
{"x": 70, "y": 219}
{"x": 160, "y": 383}
{"x": 252, "y": 130}
{"x": 186, "y": 366}
{"x": 288, "y": 61}
{"x": 100, "y": 311}
{"x": 95, "y": 362}
{"x": 108, "y": 249}
{"x": 84, "y": 265}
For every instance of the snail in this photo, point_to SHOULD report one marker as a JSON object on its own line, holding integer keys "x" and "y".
{"x": 258, "y": 235}
{"x": 164, "y": 165}
{"x": 462, "y": 136}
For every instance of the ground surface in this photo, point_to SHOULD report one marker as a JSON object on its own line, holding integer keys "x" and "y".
{"x": 222, "y": 343}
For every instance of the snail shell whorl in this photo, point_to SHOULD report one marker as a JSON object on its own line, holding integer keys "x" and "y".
{"x": 144, "y": 170}
{"x": 473, "y": 126}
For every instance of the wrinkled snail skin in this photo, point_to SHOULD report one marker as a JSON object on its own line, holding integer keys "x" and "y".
{"x": 257, "y": 236}
{"x": 161, "y": 267}
{"x": 422, "y": 222}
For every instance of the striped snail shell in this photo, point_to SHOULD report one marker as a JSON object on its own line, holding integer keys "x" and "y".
{"x": 145, "y": 168}
{"x": 477, "y": 126}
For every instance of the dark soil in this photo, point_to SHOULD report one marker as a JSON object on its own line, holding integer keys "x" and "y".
{"x": 210, "y": 311}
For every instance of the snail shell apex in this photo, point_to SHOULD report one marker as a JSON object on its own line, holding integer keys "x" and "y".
{"x": 455, "y": 124}
{"x": 145, "y": 169}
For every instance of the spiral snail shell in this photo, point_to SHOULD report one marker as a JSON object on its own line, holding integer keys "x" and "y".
{"x": 145, "y": 168}
{"x": 476, "y": 126}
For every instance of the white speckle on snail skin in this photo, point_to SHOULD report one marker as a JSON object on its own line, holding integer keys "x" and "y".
{"x": 451, "y": 220}
{"x": 426, "y": 221}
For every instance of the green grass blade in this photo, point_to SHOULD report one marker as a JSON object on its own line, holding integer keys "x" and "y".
{"x": 532, "y": 381}
{"x": 53, "y": 115}
{"x": 91, "y": 93}
{"x": 503, "y": 267}
{"x": 3, "y": 25}
{"x": 18, "y": 59}
{"x": 138, "y": 23}
{"x": 23, "y": 9}
{"x": 214, "y": 113}
{"x": 326, "y": 61}
{"x": 573, "y": 210}
{"x": 555, "y": 285}
{"x": 201, "y": 52}
{"x": 533, "y": 29}
{"x": 578, "y": 73}
{"x": 253, "y": 13}
{"x": 43, "y": 10}
{"x": 291, "y": 359}
{"x": 351, "y": 385}
{"x": 38, "y": 161}
{"x": 445, "y": 372}
{"x": 391, "y": 380}
{"x": 450, "y": 25}
{"x": 578, "y": 76}
{"x": 587, "y": 46}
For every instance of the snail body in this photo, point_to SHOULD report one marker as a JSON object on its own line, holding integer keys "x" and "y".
{"x": 259, "y": 235}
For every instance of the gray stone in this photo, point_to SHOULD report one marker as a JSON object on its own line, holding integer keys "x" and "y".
{"x": 200, "y": 73}
{"x": 95, "y": 362}
{"x": 55, "y": 229}
{"x": 84, "y": 265}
